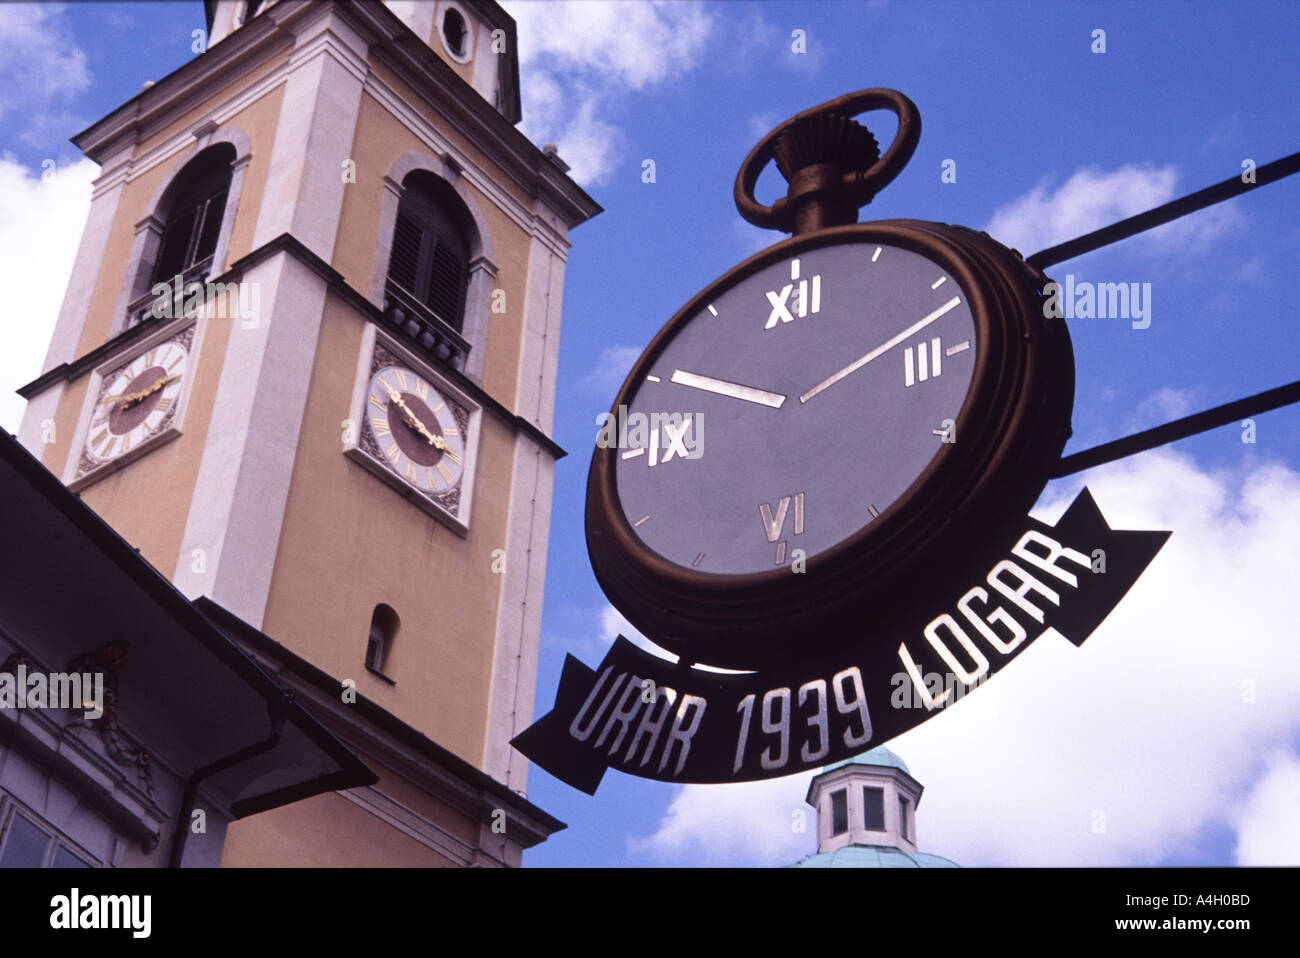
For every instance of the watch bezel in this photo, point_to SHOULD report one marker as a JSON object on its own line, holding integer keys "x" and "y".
{"x": 743, "y": 620}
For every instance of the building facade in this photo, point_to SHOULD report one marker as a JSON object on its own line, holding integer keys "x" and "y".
{"x": 306, "y": 365}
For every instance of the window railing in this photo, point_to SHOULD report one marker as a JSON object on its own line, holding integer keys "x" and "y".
{"x": 170, "y": 306}
{"x": 422, "y": 326}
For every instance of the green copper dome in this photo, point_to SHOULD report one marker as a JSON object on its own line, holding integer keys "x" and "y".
{"x": 877, "y": 756}
{"x": 874, "y": 856}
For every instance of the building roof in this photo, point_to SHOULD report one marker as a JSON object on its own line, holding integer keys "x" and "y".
{"x": 879, "y": 756}
{"x": 874, "y": 856}
{"x": 187, "y": 691}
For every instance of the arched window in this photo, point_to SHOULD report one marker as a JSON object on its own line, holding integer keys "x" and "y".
{"x": 430, "y": 249}
{"x": 383, "y": 630}
{"x": 192, "y": 212}
{"x": 428, "y": 267}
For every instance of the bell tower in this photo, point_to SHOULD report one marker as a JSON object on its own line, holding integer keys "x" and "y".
{"x": 306, "y": 364}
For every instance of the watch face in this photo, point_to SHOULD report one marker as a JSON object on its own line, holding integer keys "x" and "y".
{"x": 795, "y": 406}
{"x": 416, "y": 432}
{"x": 138, "y": 402}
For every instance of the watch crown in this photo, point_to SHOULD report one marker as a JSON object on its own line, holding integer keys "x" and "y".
{"x": 825, "y": 138}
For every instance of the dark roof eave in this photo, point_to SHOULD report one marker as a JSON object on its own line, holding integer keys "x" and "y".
{"x": 191, "y": 622}
{"x": 373, "y": 712}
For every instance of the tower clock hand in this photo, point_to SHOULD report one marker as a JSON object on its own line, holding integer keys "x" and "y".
{"x": 414, "y": 422}
{"x": 880, "y": 350}
{"x": 130, "y": 399}
{"x": 723, "y": 388}
{"x": 411, "y": 419}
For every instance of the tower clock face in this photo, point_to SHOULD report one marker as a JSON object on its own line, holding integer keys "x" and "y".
{"x": 415, "y": 429}
{"x": 795, "y": 406}
{"x": 138, "y": 403}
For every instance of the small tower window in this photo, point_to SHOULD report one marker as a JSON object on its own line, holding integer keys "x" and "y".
{"x": 839, "y": 812}
{"x": 454, "y": 32}
{"x": 903, "y": 829}
{"x": 383, "y": 630}
{"x": 873, "y": 808}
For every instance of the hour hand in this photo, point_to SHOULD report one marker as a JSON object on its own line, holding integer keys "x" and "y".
{"x": 723, "y": 388}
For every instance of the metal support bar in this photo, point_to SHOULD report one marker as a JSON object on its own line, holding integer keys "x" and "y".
{"x": 1178, "y": 429}
{"x": 1268, "y": 173}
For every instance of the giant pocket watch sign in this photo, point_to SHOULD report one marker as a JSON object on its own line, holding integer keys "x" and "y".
{"x": 884, "y": 403}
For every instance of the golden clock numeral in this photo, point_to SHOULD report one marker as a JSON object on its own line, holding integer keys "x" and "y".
{"x": 171, "y": 365}
{"x": 380, "y": 424}
{"x": 441, "y": 405}
{"x": 401, "y": 378}
{"x": 446, "y": 473}
{"x": 453, "y": 431}
{"x": 111, "y": 451}
{"x": 97, "y": 439}
{"x": 149, "y": 358}
{"x": 126, "y": 443}
{"x": 164, "y": 404}
{"x": 378, "y": 403}
{"x": 451, "y": 454}
{"x": 432, "y": 481}
{"x": 393, "y": 453}
{"x": 422, "y": 390}
{"x": 410, "y": 471}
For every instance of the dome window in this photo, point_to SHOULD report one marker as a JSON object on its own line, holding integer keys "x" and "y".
{"x": 839, "y": 812}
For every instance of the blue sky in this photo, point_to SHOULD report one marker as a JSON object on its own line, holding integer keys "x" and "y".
{"x": 1178, "y": 720}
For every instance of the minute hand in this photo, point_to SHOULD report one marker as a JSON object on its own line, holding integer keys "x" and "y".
{"x": 884, "y": 347}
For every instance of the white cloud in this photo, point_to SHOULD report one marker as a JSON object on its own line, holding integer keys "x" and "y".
{"x": 612, "y": 367}
{"x": 1162, "y": 406}
{"x": 1093, "y": 198}
{"x": 750, "y": 824}
{"x": 580, "y": 60}
{"x": 42, "y": 71}
{"x": 1268, "y": 828}
{"x": 41, "y": 219}
{"x": 613, "y": 624}
{"x": 1149, "y": 722}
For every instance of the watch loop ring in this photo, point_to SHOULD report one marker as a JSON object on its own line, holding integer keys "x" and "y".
{"x": 854, "y": 188}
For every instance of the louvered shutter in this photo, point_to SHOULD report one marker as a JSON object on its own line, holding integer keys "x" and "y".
{"x": 430, "y": 255}
{"x": 194, "y": 223}
{"x": 447, "y": 282}
{"x": 175, "y": 244}
{"x": 404, "y": 267}
{"x": 210, "y": 227}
